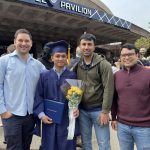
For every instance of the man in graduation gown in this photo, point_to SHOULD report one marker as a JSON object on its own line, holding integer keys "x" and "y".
{"x": 54, "y": 136}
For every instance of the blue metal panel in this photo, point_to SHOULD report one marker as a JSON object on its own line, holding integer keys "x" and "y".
{"x": 81, "y": 10}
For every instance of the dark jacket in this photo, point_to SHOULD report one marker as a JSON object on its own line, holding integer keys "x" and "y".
{"x": 99, "y": 83}
{"x": 48, "y": 65}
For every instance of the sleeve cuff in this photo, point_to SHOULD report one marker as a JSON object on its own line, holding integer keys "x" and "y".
{"x": 41, "y": 115}
{"x": 105, "y": 111}
{"x": 113, "y": 117}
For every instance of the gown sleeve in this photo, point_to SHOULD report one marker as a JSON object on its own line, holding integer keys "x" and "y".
{"x": 38, "y": 106}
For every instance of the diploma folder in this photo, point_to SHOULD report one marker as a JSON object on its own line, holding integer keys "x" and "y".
{"x": 54, "y": 110}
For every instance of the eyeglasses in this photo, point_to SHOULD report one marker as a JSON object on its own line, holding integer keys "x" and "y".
{"x": 128, "y": 54}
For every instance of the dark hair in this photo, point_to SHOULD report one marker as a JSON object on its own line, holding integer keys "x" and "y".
{"x": 88, "y": 37}
{"x": 47, "y": 51}
{"x": 130, "y": 47}
{"x": 22, "y": 31}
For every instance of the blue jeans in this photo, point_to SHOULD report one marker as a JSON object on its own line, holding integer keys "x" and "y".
{"x": 87, "y": 119}
{"x": 128, "y": 135}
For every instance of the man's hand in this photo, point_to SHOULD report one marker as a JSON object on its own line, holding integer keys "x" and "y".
{"x": 76, "y": 113}
{"x": 46, "y": 120}
{"x": 6, "y": 115}
{"x": 104, "y": 118}
{"x": 114, "y": 125}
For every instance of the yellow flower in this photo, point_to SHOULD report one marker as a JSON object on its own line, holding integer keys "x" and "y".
{"x": 69, "y": 92}
{"x": 79, "y": 92}
{"x": 73, "y": 88}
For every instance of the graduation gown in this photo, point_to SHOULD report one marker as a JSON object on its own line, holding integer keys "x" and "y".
{"x": 54, "y": 136}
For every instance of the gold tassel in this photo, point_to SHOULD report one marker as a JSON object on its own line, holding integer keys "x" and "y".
{"x": 69, "y": 55}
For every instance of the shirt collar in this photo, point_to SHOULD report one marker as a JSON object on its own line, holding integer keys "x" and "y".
{"x": 134, "y": 68}
{"x": 15, "y": 53}
{"x": 60, "y": 72}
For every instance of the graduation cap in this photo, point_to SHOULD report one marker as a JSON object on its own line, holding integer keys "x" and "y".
{"x": 59, "y": 47}
{"x": 47, "y": 45}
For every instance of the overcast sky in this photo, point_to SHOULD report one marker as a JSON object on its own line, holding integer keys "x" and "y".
{"x": 134, "y": 11}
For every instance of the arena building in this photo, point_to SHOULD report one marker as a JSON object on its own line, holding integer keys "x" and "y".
{"x": 51, "y": 20}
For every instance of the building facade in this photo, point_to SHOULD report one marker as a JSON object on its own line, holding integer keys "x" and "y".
{"x": 51, "y": 20}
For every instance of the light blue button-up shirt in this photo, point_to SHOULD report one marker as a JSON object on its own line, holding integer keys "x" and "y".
{"x": 18, "y": 80}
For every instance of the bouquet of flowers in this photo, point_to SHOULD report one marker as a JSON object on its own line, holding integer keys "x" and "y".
{"x": 73, "y": 89}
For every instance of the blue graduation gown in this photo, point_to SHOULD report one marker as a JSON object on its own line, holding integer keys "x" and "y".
{"x": 54, "y": 136}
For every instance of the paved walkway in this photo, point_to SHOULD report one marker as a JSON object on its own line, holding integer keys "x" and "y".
{"x": 36, "y": 141}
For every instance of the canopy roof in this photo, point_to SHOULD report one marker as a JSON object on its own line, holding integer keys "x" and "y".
{"x": 50, "y": 24}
